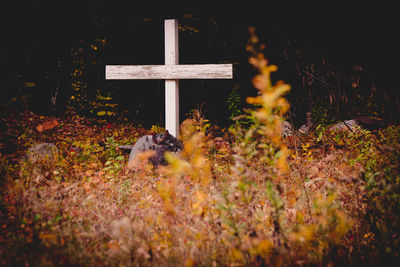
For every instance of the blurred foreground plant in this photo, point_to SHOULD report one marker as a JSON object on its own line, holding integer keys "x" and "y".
{"x": 264, "y": 136}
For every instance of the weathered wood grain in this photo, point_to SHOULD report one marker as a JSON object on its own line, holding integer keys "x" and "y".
{"x": 171, "y": 86}
{"x": 169, "y": 72}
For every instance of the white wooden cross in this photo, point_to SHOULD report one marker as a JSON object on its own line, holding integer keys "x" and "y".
{"x": 171, "y": 72}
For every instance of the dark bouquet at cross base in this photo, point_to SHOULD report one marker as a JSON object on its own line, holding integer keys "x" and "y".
{"x": 159, "y": 143}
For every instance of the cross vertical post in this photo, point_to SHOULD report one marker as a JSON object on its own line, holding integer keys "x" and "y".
{"x": 171, "y": 86}
{"x": 171, "y": 72}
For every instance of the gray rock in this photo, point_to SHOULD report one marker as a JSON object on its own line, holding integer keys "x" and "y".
{"x": 345, "y": 126}
{"x": 160, "y": 143}
{"x": 304, "y": 129}
{"x": 42, "y": 152}
{"x": 287, "y": 129}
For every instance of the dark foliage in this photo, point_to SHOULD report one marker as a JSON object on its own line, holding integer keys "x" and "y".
{"x": 337, "y": 59}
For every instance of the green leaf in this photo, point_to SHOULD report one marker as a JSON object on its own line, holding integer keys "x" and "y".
{"x": 273, "y": 196}
{"x": 120, "y": 158}
{"x": 222, "y": 207}
{"x": 28, "y": 84}
{"x": 103, "y": 97}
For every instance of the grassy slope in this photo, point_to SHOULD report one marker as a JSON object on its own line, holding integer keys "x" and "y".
{"x": 86, "y": 208}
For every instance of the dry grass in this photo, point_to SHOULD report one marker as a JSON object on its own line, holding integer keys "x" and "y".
{"x": 211, "y": 206}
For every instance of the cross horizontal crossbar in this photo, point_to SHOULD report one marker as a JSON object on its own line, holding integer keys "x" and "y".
{"x": 169, "y": 72}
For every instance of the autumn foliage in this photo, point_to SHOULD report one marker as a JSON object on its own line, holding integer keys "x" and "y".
{"x": 47, "y": 125}
{"x": 244, "y": 197}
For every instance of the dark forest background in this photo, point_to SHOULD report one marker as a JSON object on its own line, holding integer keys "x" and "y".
{"x": 340, "y": 60}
